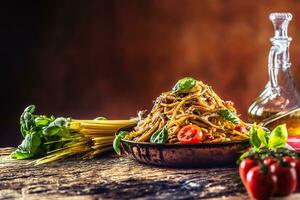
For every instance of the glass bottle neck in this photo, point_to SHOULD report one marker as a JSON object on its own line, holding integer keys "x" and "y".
{"x": 279, "y": 59}
{"x": 279, "y": 56}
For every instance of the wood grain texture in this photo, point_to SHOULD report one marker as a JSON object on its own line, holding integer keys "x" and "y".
{"x": 112, "y": 177}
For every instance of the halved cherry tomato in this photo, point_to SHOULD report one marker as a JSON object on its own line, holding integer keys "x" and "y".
{"x": 245, "y": 166}
{"x": 286, "y": 178}
{"x": 190, "y": 134}
{"x": 261, "y": 184}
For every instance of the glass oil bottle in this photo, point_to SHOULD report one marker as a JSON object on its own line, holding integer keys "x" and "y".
{"x": 280, "y": 92}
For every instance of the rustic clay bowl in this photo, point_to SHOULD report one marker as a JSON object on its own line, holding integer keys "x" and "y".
{"x": 183, "y": 155}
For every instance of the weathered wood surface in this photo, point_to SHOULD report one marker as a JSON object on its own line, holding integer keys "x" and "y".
{"x": 112, "y": 177}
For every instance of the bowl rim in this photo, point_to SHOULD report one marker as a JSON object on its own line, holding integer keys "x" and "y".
{"x": 178, "y": 145}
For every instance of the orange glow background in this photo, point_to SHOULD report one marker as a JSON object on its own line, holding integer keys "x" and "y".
{"x": 89, "y": 58}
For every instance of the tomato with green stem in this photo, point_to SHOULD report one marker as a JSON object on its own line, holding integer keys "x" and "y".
{"x": 286, "y": 178}
{"x": 297, "y": 167}
{"x": 244, "y": 168}
{"x": 261, "y": 183}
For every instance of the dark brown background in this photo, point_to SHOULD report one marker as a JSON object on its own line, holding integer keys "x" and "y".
{"x": 88, "y": 58}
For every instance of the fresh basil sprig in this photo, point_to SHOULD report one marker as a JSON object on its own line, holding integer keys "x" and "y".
{"x": 264, "y": 142}
{"x": 260, "y": 138}
{"x": 117, "y": 141}
{"x": 229, "y": 115}
{"x": 160, "y": 136}
{"x": 184, "y": 85}
{"x": 41, "y": 134}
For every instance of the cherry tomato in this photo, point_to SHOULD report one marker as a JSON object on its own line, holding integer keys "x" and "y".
{"x": 290, "y": 160}
{"x": 245, "y": 166}
{"x": 269, "y": 161}
{"x": 297, "y": 167}
{"x": 286, "y": 178}
{"x": 240, "y": 128}
{"x": 190, "y": 134}
{"x": 260, "y": 184}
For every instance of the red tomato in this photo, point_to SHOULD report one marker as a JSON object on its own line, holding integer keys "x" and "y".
{"x": 260, "y": 185}
{"x": 286, "y": 179}
{"x": 269, "y": 161}
{"x": 245, "y": 166}
{"x": 240, "y": 128}
{"x": 190, "y": 134}
{"x": 290, "y": 160}
{"x": 297, "y": 167}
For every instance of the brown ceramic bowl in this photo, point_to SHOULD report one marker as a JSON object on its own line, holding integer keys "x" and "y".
{"x": 183, "y": 155}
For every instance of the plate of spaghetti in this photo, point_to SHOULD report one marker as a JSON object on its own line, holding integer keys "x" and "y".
{"x": 187, "y": 126}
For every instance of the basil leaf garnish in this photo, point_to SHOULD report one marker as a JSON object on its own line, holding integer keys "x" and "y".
{"x": 160, "y": 136}
{"x": 184, "y": 85}
{"x": 229, "y": 115}
{"x": 117, "y": 141}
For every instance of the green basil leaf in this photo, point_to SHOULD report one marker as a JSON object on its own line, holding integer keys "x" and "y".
{"x": 23, "y": 130}
{"x": 51, "y": 130}
{"x": 60, "y": 122}
{"x": 254, "y": 139}
{"x": 64, "y": 132}
{"x": 117, "y": 141}
{"x": 160, "y": 136}
{"x": 263, "y": 136}
{"x": 229, "y": 115}
{"x": 27, "y": 116}
{"x": 28, "y": 148}
{"x": 41, "y": 121}
{"x": 100, "y": 118}
{"x": 278, "y": 137}
{"x": 30, "y": 109}
{"x": 29, "y": 125}
{"x": 58, "y": 127}
{"x": 184, "y": 85}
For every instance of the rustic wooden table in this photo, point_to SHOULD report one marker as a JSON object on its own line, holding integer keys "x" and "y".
{"x": 113, "y": 177}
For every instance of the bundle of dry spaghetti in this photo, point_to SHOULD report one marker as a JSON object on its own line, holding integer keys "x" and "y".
{"x": 191, "y": 102}
{"x": 90, "y": 138}
{"x": 50, "y": 138}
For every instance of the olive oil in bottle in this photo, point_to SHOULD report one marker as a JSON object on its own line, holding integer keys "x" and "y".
{"x": 280, "y": 92}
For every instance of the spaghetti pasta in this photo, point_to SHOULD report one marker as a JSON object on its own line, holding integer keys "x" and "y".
{"x": 193, "y": 103}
